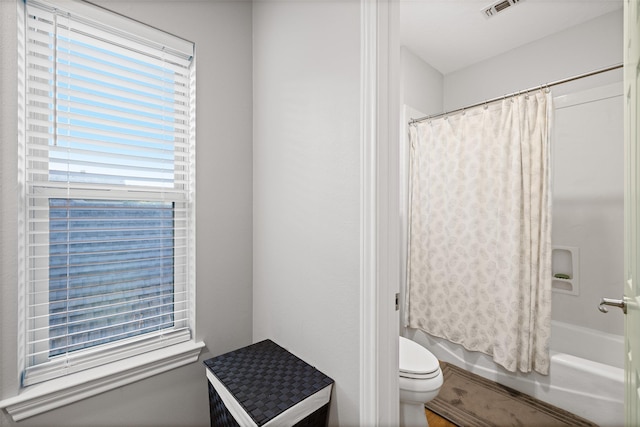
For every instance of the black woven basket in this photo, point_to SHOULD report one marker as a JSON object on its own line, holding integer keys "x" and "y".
{"x": 266, "y": 380}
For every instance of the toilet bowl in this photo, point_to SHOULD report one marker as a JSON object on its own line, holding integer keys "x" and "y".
{"x": 420, "y": 382}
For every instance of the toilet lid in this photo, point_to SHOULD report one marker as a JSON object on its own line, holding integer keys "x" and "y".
{"x": 416, "y": 361}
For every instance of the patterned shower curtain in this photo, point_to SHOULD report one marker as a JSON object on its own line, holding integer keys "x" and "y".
{"x": 479, "y": 264}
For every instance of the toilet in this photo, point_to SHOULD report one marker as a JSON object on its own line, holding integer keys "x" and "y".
{"x": 420, "y": 382}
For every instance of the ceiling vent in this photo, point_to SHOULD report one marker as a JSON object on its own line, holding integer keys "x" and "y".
{"x": 498, "y": 7}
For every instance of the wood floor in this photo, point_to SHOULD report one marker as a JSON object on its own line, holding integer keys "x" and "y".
{"x": 435, "y": 420}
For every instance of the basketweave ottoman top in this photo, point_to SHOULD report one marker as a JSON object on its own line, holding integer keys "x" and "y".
{"x": 266, "y": 380}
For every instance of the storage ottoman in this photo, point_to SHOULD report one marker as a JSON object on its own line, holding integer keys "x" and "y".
{"x": 265, "y": 385}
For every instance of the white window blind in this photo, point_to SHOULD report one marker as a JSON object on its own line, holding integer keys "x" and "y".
{"x": 107, "y": 253}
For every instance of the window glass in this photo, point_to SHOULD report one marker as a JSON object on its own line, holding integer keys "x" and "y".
{"x": 110, "y": 271}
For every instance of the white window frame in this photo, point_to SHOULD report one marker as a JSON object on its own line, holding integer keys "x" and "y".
{"x": 80, "y": 384}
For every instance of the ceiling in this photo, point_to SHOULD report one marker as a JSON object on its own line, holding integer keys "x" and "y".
{"x": 452, "y": 34}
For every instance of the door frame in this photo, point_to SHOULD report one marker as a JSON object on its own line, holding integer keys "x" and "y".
{"x": 379, "y": 212}
{"x": 632, "y": 205}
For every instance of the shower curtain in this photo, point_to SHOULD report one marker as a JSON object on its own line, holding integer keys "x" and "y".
{"x": 479, "y": 264}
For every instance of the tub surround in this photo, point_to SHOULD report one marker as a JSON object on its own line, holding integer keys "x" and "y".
{"x": 592, "y": 389}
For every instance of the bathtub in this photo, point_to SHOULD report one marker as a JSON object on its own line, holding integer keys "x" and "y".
{"x": 586, "y": 374}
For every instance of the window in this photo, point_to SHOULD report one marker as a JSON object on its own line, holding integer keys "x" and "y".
{"x": 111, "y": 271}
{"x": 107, "y": 247}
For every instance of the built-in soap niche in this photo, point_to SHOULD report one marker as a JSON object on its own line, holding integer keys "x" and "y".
{"x": 565, "y": 270}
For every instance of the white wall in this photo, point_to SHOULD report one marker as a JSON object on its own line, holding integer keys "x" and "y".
{"x": 593, "y": 45}
{"x": 8, "y": 201}
{"x": 421, "y": 85}
{"x": 588, "y": 202}
{"x": 306, "y": 188}
{"x": 222, "y": 33}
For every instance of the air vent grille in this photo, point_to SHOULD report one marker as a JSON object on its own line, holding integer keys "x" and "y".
{"x": 498, "y": 7}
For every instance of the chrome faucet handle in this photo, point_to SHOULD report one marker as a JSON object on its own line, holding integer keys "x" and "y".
{"x": 620, "y": 303}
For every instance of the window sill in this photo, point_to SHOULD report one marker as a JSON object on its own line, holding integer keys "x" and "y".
{"x": 53, "y": 394}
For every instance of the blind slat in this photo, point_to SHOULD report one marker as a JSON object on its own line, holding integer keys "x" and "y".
{"x": 41, "y": 88}
{"x": 181, "y": 324}
{"x": 98, "y": 309}
{"x": 46, "y": 65}
{"x": 73, "y": 75}
{"x": 157, "y": 302}
{"x": 141, "y": 55}
{"x": 118, "y": 125}
{"x": 100, "y": 115}
{"x": 80, "y": 190}
{"x": 40, "y": 22}
{"x": 109, "y": 102}
{"x": 89, "y": 88}
{"x": 81, "y": 53}
{"x": 40, "y": 299}
{"x": 71, "y": 67}
{"x": 84, "y": 144}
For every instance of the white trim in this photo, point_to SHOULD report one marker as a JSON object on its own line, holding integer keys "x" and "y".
{"x": 108, "y": 353}
{"x": 55, "y": 393}
{"x": 368, "y": 215}
{"x": 21, "y": 193}
{"x": 589, "y": 95}
{"x": 389, "y": 225}
{"x": 379, "y": 215}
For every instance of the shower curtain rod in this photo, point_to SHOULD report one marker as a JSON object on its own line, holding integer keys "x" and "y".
{"x": 547, "y": 85}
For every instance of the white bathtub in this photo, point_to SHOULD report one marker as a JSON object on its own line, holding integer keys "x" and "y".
{"x": 586, "y": 375}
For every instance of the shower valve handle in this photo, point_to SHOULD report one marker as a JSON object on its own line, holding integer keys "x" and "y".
{"x": 621, "y": 303}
